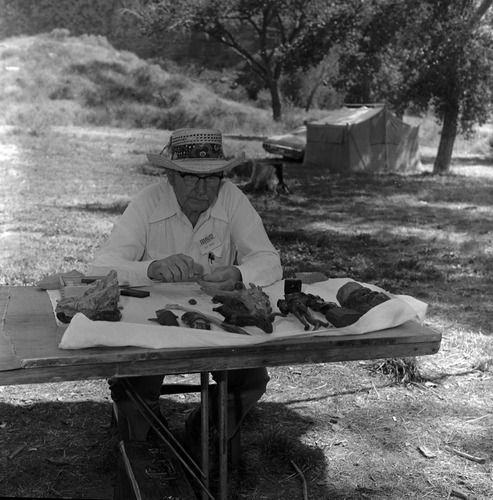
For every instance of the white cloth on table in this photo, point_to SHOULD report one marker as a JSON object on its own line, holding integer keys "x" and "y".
{"x": 135, "y": 329}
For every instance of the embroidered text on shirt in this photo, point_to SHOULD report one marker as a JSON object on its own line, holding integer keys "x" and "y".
{"x": 206, "y": 239}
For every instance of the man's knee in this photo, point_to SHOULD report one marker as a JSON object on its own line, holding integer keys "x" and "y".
{"x": 147, "y": 387}
{"x": 258, "y": 378}
{"x": 248, "y": 379}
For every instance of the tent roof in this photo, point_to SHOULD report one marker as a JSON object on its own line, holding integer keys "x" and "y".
{"x": 345, "y": 116}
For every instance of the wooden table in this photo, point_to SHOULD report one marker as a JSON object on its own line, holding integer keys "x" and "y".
{"x": 29, "y": 352}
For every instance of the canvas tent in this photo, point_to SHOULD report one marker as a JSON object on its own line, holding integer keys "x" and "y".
{"x": 362, "y": 138}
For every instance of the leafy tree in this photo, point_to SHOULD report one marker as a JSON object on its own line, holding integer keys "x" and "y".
{"x": 367, "y": 66}
{"x": 30, "y": 17}
{"x": 432, "y": 53}
{"x": 266, "y": 34}
{"x": 447, "y": 63}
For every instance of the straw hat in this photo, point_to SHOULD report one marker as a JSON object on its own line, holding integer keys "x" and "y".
{"x": 195, "y": 150}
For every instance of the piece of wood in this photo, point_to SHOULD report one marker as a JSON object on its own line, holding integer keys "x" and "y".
{"x": 457, "y": 494}
{"x": 222, "y": 386}
{"x": 426, "y": 452}
{"x": 303, "y": 480}
{"x": 120, "y": 362}
{"x": 16, "y": 452}
{"x": 8, "y": 358}
{"x": 479, "y": 460}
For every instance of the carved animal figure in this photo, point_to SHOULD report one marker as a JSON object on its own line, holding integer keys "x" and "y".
{"x": 298, "y": 303}
{"x": 243, "y": 306}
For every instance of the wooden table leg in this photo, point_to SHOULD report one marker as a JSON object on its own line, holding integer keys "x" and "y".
{"x": 204, "y": 402}
{"x": 222, "y": 383}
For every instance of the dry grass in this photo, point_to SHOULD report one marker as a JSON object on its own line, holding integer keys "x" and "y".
{"x": 349, "y": 428}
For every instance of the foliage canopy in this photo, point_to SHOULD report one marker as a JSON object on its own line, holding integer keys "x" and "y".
{"x": 269, "y": 35}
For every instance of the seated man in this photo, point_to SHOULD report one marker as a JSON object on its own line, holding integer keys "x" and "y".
{"x": 193, "y": 225}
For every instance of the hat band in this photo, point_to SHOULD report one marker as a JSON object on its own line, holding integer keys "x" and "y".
{"x": 197, "y": 151}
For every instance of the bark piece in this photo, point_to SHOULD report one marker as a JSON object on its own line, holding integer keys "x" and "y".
{"x": 99, "y": 302}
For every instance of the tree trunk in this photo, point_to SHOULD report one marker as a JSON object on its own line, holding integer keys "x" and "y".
{"x": 447, "y": 139}
{"x": 276, "y": 99}
{"x": 311, "y": 96}
{"x": 451, "y": 115}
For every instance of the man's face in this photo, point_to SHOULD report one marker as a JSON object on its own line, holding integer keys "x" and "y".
{"x": 195, "y": 194}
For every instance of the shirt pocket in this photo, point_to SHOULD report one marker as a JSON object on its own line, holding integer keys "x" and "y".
{"x": 221, "y": 255}
{"x": 165, "y": 238}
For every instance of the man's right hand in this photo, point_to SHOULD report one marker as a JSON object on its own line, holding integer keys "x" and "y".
{"x": 178, "y": 267}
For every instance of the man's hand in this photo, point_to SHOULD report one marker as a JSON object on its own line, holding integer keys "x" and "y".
{"x": 178, "y": 267}
{"x": 223, "y": 277}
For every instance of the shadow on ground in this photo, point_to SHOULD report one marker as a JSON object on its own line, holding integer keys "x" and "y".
{"x": 65, "y": 449}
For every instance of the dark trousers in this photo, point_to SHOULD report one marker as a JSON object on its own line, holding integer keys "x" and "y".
{"x": 245, "y": 388}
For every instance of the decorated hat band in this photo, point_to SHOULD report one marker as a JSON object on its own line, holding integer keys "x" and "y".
{"x": 196, "y": 151}
{"x": 200, "y": 151}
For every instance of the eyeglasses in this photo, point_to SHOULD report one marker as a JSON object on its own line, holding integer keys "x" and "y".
{"x": 210, "y": 180}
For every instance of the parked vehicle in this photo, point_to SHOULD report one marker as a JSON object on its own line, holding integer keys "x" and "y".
{"x": 290, "y": 146}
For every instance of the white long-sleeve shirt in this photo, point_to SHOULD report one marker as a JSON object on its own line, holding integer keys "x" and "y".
{"x": 154, "y": 227}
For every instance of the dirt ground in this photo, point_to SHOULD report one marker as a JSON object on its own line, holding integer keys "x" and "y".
{"x": 352, "y": 433}
{"x": 351, "y": 430}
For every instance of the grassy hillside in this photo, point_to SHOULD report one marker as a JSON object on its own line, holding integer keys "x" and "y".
{"x": 55, "y": 79}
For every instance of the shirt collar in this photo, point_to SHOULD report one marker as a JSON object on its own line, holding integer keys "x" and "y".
{"x": 168, "y": 207}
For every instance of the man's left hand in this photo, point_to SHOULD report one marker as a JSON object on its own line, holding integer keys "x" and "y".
{"x": 223, "y": 277}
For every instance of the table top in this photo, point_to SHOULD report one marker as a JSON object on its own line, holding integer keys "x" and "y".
{"x": 29, "y": 351}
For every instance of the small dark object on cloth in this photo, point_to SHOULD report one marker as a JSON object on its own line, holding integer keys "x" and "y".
{"x": 192, "y": 302}
{"x": 292, "y": 286}
{"x": 359, "y": 298}
{"x": 165, "y": 317}
{"x": 196, "y": 320}
{"x": 211, "y": 319}
{"x": 133, "y": 292}
{"x": 342, "y": 316}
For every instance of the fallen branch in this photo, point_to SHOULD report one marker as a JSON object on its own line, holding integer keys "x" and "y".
{"x": 423, "y": 387}
{"x": 462, "y": 454}
{"x": 457, "y": 494}
{"x": 17, "y": 451}
{"x": 303, "y": 480}
{"x": 479, "y": 418}
{"x": 426, "y": 452}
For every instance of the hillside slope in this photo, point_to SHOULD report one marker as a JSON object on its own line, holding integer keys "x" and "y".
{"x": 57, "y": 79}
